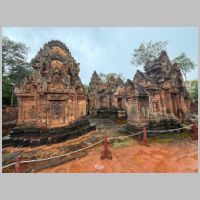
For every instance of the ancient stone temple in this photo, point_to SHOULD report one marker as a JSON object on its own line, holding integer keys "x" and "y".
{"x": 155, "y": 95}
{"x": 52, "y": 102}
{"x": 106, "y": 97}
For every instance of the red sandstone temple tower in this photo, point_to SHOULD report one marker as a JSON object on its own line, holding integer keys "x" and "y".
{"x": 54, "y": 97}
{"x": 107, "y": 97}
{"x": 155, "y": 96}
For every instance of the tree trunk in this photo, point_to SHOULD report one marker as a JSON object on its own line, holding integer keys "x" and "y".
{"x": 17, "y": 102}
{"x": 12, "y": 97}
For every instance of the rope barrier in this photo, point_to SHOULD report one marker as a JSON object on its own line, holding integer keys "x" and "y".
{"x": 59, "y": 156}
{"x": 69, "y": 153}
{"x": 79, "y": 150}
{"x": 126, "y": 136}
{"x": 3, "y": 167}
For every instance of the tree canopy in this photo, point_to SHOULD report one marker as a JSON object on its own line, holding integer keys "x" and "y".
{"x": 104, "y": 77}
{"x": 151, "y": 50}
{"x": 14, "y": 67}
{"x": 147, "y": 51}
{"x": 184, "y": 63}
{"x": 193, "y": 89}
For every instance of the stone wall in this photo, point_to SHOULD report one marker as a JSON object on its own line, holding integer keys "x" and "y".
{"x": 9, "y": 114}
{"x": 9, "y": 118}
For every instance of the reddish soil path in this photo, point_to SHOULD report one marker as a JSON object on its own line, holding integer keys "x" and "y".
{"x": 178, "y": 157}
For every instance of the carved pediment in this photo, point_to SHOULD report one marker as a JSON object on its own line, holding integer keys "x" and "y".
{"x": 148, "y": 83}
{"x": 54, "y": 63}
{"x": 167, "y": 85}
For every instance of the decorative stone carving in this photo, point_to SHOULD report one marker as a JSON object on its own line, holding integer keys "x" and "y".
{"x": 53, "y": 97}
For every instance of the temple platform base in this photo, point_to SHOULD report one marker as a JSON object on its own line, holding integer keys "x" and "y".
{"x": 23, "y": 136}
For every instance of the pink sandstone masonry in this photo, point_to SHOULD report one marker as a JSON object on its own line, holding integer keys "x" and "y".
{"x": 54, "y": 96}
{"x": 52, "y": 102}
{"x": 157, "y": 93}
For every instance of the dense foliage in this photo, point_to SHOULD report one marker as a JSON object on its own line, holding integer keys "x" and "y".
{"x": 193, "y": 89}
{"x": 151, "y": 50}
{"x": 105, "y": 77}
{"x": 14, "y": 68}
{"x": 147, "y": 51}
{"x": 184, "y": 63}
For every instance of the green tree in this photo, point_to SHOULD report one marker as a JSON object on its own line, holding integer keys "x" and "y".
{"x": 13, "y": 54}
{"x": 6, "y": 91}
{"x": 147, "y": 51}
{"x": 185, "y": 64}
{"x": 14, "y": 67}
{"x": 193, "y": 89}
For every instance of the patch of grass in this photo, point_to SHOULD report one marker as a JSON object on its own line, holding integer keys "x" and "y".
{"x": 167, "y": 137}
{"x": 160, "y": 140}
{"x": 183, "y": 135}
{"x": 118, "y": 144}
{"x": 121, "y": 121}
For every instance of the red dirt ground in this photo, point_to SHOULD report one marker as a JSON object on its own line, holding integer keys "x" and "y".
{"x": 180, "y": 157}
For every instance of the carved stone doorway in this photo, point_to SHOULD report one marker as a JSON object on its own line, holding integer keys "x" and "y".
{"x": 119, "y": 103}
{"x": 57, "y": 113}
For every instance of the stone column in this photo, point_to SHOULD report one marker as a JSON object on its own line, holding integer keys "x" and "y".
{"x": 182, "y": 103}
{"x": 150, "y": 104}
{"x": 164, "y": 108}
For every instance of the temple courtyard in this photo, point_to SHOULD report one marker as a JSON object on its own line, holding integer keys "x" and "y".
{"x": 142, "y": 124}
{"x": 165, "y": 157}
{"x": 165, "y": 153}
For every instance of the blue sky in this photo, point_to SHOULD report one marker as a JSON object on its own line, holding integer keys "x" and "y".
{"x": 108, "y": 49}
